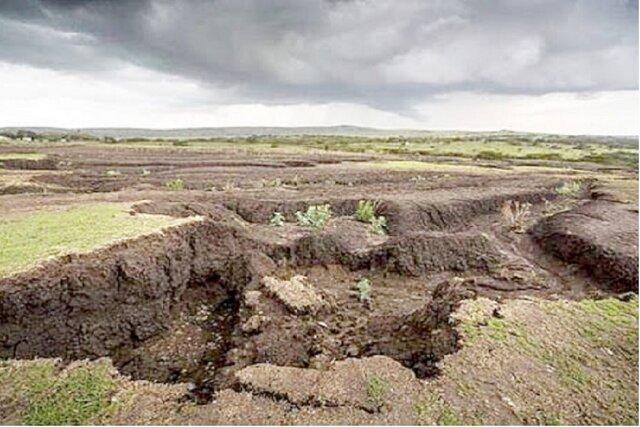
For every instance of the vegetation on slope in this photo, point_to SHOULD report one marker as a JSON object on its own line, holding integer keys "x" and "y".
{"x": 26, "y": 239}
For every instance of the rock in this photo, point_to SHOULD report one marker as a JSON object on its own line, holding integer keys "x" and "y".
{"x": 254, "y": 323}
{"x": 296, "y": 294}
{"x": 252, "y": 298}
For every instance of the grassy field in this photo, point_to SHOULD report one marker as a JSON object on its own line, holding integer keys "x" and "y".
{"x": 487, "y": 146}
{"x": 44, "y": 394}
{"x": 21, "y": 156}
{"x": 620, "y": 151}
{"x": 540, "y": 362}
{"x": 471, "y": 168}
{"x": 28, "y": 239}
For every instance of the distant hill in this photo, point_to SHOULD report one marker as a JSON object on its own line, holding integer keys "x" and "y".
{"x": 223, "y": 131}
{"x": 212, "y": 132}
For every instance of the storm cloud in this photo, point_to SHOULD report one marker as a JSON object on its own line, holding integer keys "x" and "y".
{"x": 386, "y": 54}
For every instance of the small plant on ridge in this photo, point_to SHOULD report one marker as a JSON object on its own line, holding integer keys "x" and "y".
{"x": 379, "y": 225}
{"x": 364, "y": 290}
{"x": 277, "y": 219}
{"x": 366, "y": 212}
{"x": 515, "y": 213}
{"x": 175, "y": 184}
{"x": 570, "y": 188}
{"x": 376, "y": 390}
{"x": 316, "y": 216}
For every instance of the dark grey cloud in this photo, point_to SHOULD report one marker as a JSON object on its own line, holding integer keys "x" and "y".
{"x": 385, "y": 53}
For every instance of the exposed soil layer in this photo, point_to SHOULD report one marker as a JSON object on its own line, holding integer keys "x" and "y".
{"x": 204, "y": 302}
{"x": 48, "y": 163}
{"x": 599, "y": 236}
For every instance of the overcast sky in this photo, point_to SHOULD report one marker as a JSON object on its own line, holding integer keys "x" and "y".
{"x": 540, "y": 65}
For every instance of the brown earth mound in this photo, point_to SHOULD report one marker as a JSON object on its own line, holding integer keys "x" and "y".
{"x": 599, "y": 236}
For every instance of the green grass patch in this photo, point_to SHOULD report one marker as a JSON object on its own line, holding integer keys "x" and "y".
{"x": 469, "y": 145}
{"x": 376, "y": 390}
{"x": 433, "y": 410}
{"x": 28, "y": 239}
{"x": 449, "y": 418}
{"x": 618, "y": 312}
{"x": 497, "y": 329}
{"x": 409, "y": 165}
{"x": 175, "y": 184}
{"x": 21, "y": 156}
{"x": 74, "y": 398}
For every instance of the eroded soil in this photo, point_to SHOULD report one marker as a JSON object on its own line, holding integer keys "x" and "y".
{"x": 246, "y": 317}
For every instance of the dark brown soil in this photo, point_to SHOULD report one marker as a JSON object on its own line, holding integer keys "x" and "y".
{"x": 599, "y": 236}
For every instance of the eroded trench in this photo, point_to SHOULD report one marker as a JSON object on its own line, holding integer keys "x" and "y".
{"x": 191, "y": 305}
{"x": 221, "y": 326}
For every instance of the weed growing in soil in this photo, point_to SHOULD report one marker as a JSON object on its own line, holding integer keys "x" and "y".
{"x": 113, "y": 173}
{"x": 297, "y": 181}
{"x": 515, "y": 213}
{"x": 364, "y": 289}
{"x": 379, "y": 225}
{"x": 175, "y": 184}
{"x": 366, "y": 212}
{"x": 570, "y": 188}
{"x": 145, "y": 172}
{"x": 448, "y": 418}
{"x": 376, "y": 390}
{"x": 276, "y": 182}
{"x": 316, "y": 216}
{"x": 72, "y": 399}
{"x": 277, "y": 219}
{"x": 434, "y": 410}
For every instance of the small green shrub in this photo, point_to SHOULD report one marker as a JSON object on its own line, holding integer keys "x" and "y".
{"x": 113, "y": 173}
{"x": 379, "y": 225}
{"x": 515, "y": 213}
{"x": 315, "y": 216}
{"x": 277, "y": 219}
{"x": 145, "y": 172}
{"x": 376, "y": 390}
{"x": 296, "y": 181}
{"x": 570, "y": 188}
{"x": 276, "y": 182}
{"x": 449, "y": 418}
{"x": 180, "y": 143}
{"x": 175, "y": 184}
{"x": 365, "y": 211}
{"x": 364, "y": 289}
